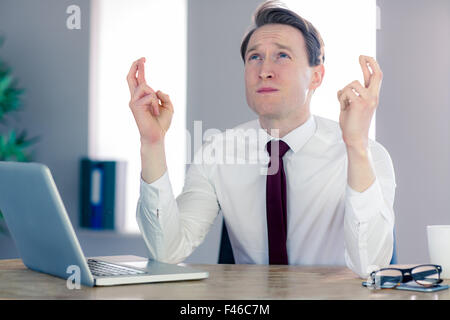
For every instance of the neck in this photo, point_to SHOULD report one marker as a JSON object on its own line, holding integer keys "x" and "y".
{"x": 284, "y": 125}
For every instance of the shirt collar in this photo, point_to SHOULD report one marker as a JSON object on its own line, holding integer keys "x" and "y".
{"x": 298, "y": 137}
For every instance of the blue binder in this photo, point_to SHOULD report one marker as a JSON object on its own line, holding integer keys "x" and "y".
{"x": 102, "y": 194}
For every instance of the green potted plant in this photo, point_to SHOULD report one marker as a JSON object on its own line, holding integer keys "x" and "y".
{"x": 14, "y": 145}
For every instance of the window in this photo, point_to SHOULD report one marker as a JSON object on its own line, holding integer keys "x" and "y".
{"x": 122, "y": 32}
{"x": 348, "y": 28}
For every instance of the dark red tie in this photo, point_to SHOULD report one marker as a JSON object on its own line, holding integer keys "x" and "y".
{"x": 276, "y": 205}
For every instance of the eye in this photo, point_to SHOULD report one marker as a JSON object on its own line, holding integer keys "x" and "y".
{"x": 253, "y": 56}
{"x": 283, "y": 55}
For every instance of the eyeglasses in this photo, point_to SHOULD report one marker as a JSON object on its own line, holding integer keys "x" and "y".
{"x": 426, "y": 275}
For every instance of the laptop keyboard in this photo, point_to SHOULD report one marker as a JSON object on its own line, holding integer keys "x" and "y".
{"x": 104, "y": 269}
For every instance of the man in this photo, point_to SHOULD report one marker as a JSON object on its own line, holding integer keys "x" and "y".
{"x": 330, "y": 198}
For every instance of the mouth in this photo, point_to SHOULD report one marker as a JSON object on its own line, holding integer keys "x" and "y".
{"x": 267, "y": 90}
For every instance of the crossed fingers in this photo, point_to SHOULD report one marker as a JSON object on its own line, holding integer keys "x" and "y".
{"x": 367, "y": 94}
{"x": 141, "y": 93}
{"x": 133, "y": 81}
{"x": 372, "y": 76}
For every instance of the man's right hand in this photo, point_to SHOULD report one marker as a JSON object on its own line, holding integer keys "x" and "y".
{"x": 152, "y": 110}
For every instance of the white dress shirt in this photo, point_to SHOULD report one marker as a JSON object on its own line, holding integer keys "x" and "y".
{"x": 329, "y": 223}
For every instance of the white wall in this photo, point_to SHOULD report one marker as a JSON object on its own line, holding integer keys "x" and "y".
{"x": 413, "y": 49}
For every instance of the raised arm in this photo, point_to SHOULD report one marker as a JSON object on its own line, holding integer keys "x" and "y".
{"x": 171, "y": 227}
{"x": 358, "y": 105}
{"x": 369, "y": 215}
{"x": 153, "y": 113}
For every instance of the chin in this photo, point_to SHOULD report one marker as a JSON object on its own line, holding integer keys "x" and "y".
{"x": 266, "y": 110}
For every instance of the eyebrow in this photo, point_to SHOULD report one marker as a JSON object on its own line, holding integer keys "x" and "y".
{"x": 280, "y": 46}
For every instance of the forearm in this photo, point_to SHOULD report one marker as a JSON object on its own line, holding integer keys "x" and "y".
{"x": 368, "y": 244}
{"x": 173, "y": 228}
{"x": 158, "y": 219}
{"x": 158, "y": 230}
{"x": 369, "y": 215}
{"x": 153, "y": 161}
{"x": 360, "y": 175}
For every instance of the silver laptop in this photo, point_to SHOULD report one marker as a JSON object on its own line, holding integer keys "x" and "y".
{"x": 46, "y": 241}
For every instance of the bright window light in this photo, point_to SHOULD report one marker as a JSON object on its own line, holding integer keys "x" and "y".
{"x": 348, "y": 28}
{"x": 122, "y": 32}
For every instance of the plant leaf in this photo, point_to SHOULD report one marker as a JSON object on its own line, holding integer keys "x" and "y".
{"x": 14, "y": 147}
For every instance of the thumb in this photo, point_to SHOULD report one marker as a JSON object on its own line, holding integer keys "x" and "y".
{"x": 339, "y": 93}
{"x": 165, "y": 99}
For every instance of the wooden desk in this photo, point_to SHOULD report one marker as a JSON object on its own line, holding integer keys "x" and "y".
{"x": 227, "y": 282}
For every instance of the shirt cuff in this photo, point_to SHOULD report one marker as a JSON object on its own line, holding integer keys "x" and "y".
{"x": 364, "y": 205}
{"x": 155, "y": 194}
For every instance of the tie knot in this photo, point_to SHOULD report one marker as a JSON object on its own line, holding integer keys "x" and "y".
{"x": 282, "y": 147}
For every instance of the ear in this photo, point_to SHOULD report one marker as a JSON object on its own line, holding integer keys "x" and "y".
{"x": 318, "y": 72}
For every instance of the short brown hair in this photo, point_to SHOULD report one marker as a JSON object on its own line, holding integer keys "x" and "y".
{"x": 275, "y": 12}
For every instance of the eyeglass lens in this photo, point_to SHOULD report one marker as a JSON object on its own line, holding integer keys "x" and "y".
{"x": 425, "y": 275}
{"x": 387, "y": 278}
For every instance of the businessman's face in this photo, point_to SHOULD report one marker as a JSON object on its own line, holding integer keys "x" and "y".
{"x": 278, "y": 78}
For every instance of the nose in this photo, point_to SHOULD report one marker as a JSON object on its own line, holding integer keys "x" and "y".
{"x": 266, "y": 75}
{"x": 266, "y": 71}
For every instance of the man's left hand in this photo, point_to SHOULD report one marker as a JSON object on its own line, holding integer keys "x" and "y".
{"x": 358, "y": 104}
